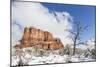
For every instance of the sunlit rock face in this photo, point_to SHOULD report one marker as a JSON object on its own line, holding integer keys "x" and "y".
{"x": 40, "y": 39}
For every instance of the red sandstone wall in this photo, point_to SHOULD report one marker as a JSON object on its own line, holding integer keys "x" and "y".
{"x": 40, "y": 39}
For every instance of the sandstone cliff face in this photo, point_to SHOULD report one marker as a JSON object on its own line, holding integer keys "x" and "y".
{"x": 40, "y": 39}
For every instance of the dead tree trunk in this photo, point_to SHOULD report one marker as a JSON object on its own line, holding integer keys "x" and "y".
{"x": 78, "y": 30}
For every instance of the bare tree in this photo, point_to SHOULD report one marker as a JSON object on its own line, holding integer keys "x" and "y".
{"x": 76, "y": 34}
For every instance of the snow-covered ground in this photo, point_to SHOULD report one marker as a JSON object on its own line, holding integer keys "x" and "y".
{"x": 30, "y": 56}
{"x": 52, "y": 58}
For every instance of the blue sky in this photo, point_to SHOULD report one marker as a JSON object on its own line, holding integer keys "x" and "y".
{"x": 85, "y": 14}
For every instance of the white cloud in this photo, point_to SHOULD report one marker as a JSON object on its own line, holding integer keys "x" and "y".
{"x": 35, "y": 14}
{"x": 90, "y": 44}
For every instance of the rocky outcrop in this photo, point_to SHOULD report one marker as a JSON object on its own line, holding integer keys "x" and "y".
{"x": 40, "y": 39}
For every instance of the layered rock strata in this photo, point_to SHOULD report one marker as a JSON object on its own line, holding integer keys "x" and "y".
{"x": 33, "y": 37}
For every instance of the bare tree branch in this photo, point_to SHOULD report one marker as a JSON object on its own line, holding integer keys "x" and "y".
{"x": 78, "y": 30}
{"x": 71, "y": 32}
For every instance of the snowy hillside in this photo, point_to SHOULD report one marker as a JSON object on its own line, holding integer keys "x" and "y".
{"x": 31, "y": 56}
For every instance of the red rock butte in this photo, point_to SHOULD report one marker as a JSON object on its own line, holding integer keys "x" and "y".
{"x": 40, "y": 39}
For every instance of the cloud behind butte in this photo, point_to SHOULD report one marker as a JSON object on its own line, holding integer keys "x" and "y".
{"x": 26, "y": 14}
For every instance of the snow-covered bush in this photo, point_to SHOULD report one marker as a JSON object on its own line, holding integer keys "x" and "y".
{"x": 67, "y": 50}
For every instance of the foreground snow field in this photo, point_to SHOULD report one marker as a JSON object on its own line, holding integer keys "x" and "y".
{"x": 52, "y": 59}
{"x": 33, "y": 56}
{"x": 29, "y": 59}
